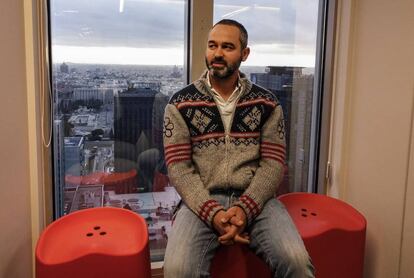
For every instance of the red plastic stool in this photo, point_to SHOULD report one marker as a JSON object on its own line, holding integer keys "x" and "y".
{"x": 333, "y": 233}
{"x": 248, "y": 264}
{"x": 97, "y": 242}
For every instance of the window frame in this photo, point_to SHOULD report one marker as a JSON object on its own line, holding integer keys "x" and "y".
{"x": 199, "y": 19}
{"x": 319, "y": 164}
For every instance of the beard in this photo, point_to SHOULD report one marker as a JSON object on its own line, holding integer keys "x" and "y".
{"x": 224, "y": 72}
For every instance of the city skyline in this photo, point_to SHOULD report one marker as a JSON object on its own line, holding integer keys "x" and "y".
{"x": 261, "y": 55}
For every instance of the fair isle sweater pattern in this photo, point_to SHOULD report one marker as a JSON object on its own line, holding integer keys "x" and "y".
{"x": 201, "y": 156}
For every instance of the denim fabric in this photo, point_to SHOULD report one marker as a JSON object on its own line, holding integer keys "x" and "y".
{"x": 273, "y": 236}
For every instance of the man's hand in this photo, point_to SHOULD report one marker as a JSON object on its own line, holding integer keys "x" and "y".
{"x": 218, "y": 222}
{"x": 232, "y": 222}
{"x": 235, "y": 216}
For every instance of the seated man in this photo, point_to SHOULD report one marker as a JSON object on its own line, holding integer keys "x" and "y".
{"x": 224, "y": 143}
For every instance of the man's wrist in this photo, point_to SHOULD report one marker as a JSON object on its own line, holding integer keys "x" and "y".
{"x": 240, "y": 205}
{"x": 214, "y": 216}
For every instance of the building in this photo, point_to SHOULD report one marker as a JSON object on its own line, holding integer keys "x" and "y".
{"x": 64, "y": 68}
{"x": 294, "y": 91}
{"x": 137, "y": 130}
{"x": 89, "y": 94}
{"x": 176, "y": 73}
{"x": 156, "y": 86}
{"x": 74, "y": 155}
{"x": 59, "y": 169}
{"x": 84, "y": 123}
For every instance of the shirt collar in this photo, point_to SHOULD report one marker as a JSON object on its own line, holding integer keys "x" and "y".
{"x": 237, "y": 90}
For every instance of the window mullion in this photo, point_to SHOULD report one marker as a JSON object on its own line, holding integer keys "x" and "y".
{"x": 201, "y": 20}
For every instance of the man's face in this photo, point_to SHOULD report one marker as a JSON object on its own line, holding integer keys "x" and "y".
{"x": 224, "y": 54}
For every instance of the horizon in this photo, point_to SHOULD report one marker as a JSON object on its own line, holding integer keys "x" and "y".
{"x": 262, "y": 57}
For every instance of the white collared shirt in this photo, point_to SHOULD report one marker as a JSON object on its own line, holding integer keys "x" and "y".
{"x": 226, "y": 107}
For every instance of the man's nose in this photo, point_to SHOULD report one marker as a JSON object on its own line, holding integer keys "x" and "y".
{"x": 219, "y": 52}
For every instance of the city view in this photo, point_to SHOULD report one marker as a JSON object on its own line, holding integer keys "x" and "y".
{"x": 96, "y": 163}
{"x": 113, "y": 72}
{"x": 108, "y": 146}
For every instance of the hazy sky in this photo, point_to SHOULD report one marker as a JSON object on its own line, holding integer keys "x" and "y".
{"x": 281, "y": 32}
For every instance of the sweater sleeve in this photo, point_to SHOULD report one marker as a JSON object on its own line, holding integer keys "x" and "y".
{"x": 269, "y": 174}
{"x": 181, "y": 171}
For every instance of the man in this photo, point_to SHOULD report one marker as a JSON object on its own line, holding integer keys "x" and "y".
{"x": 224, "y": 146}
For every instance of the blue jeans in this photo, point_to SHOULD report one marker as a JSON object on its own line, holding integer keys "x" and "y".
{"x": 273, "y": 237}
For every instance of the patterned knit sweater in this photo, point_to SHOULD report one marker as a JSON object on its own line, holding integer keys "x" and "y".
{"x": 201, "y": 156}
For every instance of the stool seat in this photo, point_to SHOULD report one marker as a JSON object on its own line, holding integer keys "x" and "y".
{"x": 315, "y": 214}
{"x": 94, "y": 242}
{"x": 333, "y": 233}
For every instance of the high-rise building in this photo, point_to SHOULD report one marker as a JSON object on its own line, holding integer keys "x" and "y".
{"x": 64, "y": 68}
{"x": 59, "y": 167}
{"x": 279, "y": 80}
{"x": 135, "y": 131}
{"x": 176, "y": 73}
{"x": 74, "y": 155}
{"x": 294, "y": 91}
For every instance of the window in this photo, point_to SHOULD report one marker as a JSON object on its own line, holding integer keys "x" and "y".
{"x": 282, "y": 40}
{"x": 114, "y": 68}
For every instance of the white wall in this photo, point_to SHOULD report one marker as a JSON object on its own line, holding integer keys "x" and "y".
{"x": 15, "y": 232}
{"x": 372, "y": 124}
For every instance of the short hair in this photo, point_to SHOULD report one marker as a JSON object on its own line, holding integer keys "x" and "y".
{"x": 243, "y": 32}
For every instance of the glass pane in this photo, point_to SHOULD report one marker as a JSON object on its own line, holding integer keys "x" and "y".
{"x": 115, "y": 64}
{"x": 282, "y": 40}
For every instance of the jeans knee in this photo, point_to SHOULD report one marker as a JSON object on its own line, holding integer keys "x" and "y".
{"x": 296, "y": 266}
{"x": 175, "y": 268}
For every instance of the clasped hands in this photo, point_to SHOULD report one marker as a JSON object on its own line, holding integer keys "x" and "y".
{"x": 230, "y": 225}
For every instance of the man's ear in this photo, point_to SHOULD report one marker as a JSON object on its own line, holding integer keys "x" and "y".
{"x": 245, "y": 53}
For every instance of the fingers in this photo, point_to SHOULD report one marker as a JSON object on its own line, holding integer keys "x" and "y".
{"x": 231, "y": 232}
{"x": 236, "y": 221}
{"x": 232, "y": 218}
{"x": 230, "y": 225}
{"x": 236, "y": 216}
{"x": 228, "y": 215}
{"x": 227, "y": 242}
{"x": 241, "y": 239}
{"x": 217, "y": 222}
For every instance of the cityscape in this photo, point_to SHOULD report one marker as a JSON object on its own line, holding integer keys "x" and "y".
{"x": 107, "y": 141}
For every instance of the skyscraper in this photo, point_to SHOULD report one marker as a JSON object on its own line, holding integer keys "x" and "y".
{"x": 64, "y": 68}
{"x": 136, "y": 132}
{"x": 59, "y": 169}
{"x": 279, "y": 80}
{"x": 74, "y": 156}
{"x": 294, "y": 91}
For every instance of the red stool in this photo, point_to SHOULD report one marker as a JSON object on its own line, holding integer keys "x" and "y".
{"x": 333, "y": 233}
{"x": 248, "y": 264}
{"x": 97, "y": 242}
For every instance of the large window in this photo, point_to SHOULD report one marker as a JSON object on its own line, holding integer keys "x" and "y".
{"x": 282, "y": 39}
{"x": 115, "y": 63}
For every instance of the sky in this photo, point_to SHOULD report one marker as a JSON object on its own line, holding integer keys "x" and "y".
{"x": 151, "y": 32}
